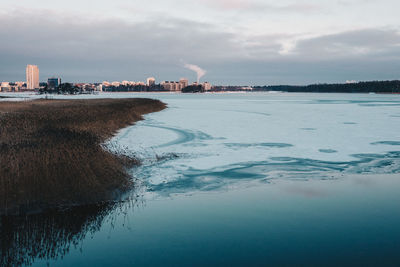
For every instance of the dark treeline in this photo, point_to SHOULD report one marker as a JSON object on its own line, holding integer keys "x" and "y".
{"x": 64, "y": 88}
{"x": 361, "y": 87}
{"x": 193, "y": 89}
{"x": 230, "y": 88}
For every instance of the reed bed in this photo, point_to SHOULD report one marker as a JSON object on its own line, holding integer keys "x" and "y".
{"x": 51, "y": 153}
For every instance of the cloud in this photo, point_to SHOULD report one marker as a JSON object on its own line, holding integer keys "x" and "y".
{"x": 229, "y": 4}
{"x": 49, "y": 36}
{"x": 380, "y": 43}
{"x": 199, "y": 71}
{"x": 94, "y": 49}
{"x": 263, "y": 7}
{"x": 65, "y": 42}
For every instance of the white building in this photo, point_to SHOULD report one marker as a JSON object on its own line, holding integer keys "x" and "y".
{"x": 5, "y": 87}
{"x": 207, "y": 86}
{"x": 19, "y": 86}
{"x": 351, "y": 82}
{"x": 172, "y": 86}
{"x": 32, "y": 77}
{"x": 151, "y": 81}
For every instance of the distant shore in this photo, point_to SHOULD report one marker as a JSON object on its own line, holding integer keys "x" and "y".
{"x": 52, "y": 154}
{"x": 379, "y": 87}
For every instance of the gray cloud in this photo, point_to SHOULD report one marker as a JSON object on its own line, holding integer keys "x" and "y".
{"x": 81, "y": 49}
{"x": 88, "y": 44}
{"x": 380, "y": 43}
{"x": 112, "y": 39}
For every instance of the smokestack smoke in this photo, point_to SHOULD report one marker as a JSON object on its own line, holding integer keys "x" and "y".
{"x": 200, "y": 72}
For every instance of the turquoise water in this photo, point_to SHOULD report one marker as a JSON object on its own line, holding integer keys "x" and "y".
{"x": 242, "y": 180}
{"x": 352, "y": 222}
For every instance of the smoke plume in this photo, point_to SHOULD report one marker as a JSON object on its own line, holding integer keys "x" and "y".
{"x": 200, "y": 72}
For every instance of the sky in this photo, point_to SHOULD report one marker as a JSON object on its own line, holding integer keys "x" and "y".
{"x": 238, "y": 42}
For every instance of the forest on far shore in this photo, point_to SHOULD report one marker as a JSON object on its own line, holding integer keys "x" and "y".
{"x": 360, "y": 87}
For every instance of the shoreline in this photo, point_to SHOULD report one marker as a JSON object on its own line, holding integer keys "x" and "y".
{"x": 52, "y": 154}
{"x": 4, "y": 96}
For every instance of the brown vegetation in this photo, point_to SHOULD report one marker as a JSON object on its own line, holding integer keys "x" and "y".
{"x": 51, "y": 154}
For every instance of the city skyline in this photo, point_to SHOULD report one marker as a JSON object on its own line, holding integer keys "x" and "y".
{"x": 33, "y": 83}
{"x": 250, "y": 42}
{"x": 32, "y": 79}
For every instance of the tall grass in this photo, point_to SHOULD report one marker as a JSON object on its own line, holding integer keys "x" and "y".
{"x": 51, "y": 154}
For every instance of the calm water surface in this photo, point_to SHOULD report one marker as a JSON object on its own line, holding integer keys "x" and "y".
{"x": 241, "y": 179}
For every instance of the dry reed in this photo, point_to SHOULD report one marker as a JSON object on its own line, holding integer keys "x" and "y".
{"x": 51, "y": 154}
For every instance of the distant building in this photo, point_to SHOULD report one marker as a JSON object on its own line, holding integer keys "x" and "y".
{"x": 128, "y": 83}
{"x": 207, "y": 86}
{"x": 151, "y": 81}
{"x": 20, "y": 85}
{"x": 351, "y": 82}
{"x": 166, "y": 85}
{"x": 32, "y": 77}
{"x": 172, "y": 86}
{"x": 11, "y": 87}
{"x": 184, "y": 83}
{"x": 53, "y": 83}
{"x": 5, "y": 87}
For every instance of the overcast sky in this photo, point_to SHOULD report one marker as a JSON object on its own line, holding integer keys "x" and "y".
{"x": 248, "y": 42}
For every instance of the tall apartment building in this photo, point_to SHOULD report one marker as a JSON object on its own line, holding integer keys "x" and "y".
{"x": 32, "y": 77}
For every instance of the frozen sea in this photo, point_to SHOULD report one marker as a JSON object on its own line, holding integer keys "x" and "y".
{"x": 249, "y": 179}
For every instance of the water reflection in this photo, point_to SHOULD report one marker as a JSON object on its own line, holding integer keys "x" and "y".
{"x": 50, "y": 235}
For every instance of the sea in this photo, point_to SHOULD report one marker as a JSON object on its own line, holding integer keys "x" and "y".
{"x": 239, "y": 179}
